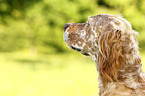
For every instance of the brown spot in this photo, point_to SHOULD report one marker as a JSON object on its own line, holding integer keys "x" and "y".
{"x": 85, "y": 47}
{"x": 93, "y": 49}
{"x": 89, "y": 44}
{"x": 138, "y": 61}
{"x": 88, "y": 34}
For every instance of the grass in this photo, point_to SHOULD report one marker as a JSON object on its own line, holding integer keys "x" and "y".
{"x": 24, "y": 74}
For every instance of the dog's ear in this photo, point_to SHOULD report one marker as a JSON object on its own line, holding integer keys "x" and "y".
{"x": 110, "y": 54}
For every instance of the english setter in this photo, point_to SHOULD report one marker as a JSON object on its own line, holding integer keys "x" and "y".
{"x": 112, "y": 44}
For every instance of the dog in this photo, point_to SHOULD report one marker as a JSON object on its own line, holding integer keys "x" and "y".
{"x": 110, "y": 41}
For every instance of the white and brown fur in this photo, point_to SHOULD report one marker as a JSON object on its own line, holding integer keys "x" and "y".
{"x": 112, "y": 44}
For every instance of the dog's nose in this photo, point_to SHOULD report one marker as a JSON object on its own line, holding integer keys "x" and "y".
{"x": 66, "y": 26}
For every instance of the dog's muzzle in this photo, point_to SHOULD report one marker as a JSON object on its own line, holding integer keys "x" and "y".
{"x": 65, "y": 34}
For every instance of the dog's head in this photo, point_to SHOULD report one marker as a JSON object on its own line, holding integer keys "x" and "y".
{"x": 106, "y": 38}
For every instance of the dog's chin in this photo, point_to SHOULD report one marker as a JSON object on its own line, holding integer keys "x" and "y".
{"x": 79, "y": 50}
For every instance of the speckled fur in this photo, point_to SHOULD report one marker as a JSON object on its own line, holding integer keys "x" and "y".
{"x": 112, "y": 44}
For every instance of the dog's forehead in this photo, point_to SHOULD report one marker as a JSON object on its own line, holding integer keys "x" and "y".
{"x": 101, "y": 16}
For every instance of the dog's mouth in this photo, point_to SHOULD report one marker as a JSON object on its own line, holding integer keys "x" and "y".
{"x": 76, "y": 49}
{"x": 79, "y": 50}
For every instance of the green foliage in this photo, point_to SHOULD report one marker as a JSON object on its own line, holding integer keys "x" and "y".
{"x": 38, "y": 24}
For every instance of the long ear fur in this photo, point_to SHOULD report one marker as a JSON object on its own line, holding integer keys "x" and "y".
{"x": 110, "y": 54}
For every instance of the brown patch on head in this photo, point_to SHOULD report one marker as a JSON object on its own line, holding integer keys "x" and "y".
{"x": 74, "y": 34}
{"x": 73, "y": 37}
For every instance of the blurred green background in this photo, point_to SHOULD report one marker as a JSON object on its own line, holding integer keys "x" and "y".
{"x": 34, "y": 59}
